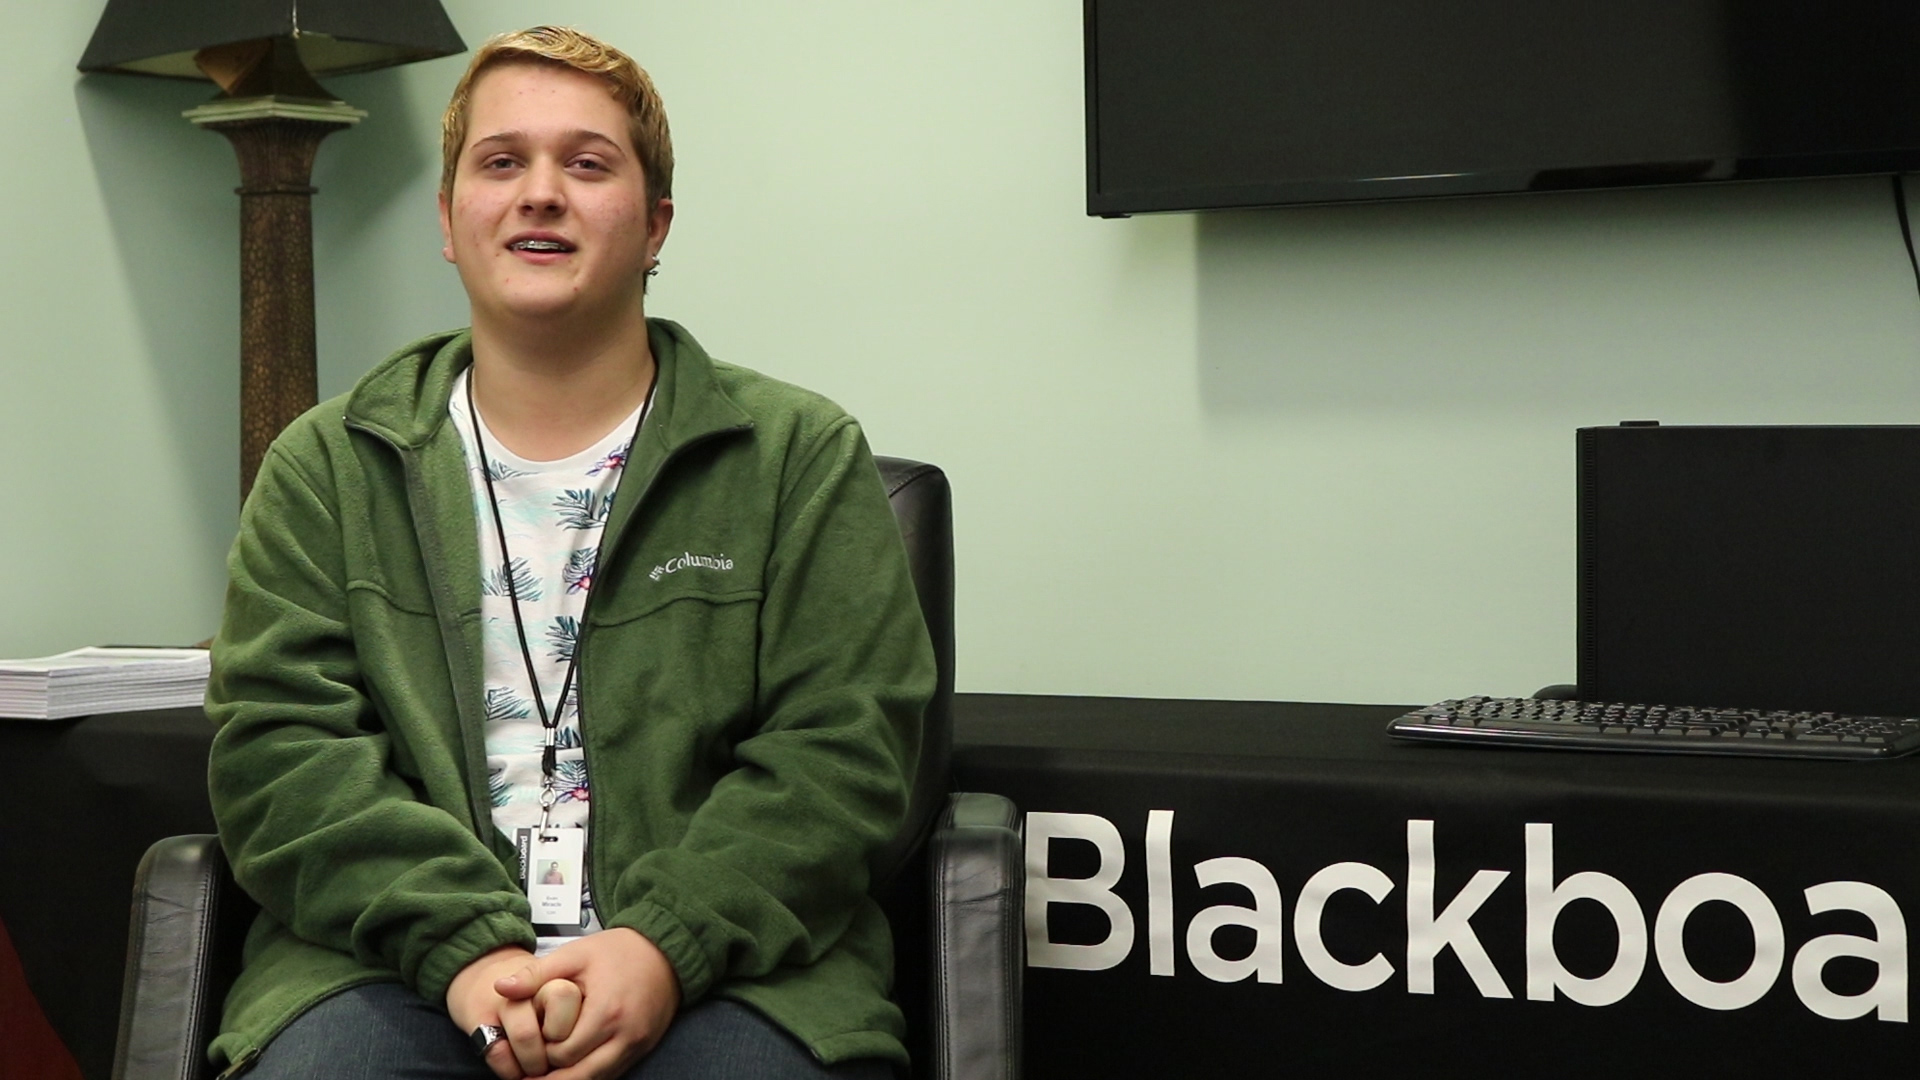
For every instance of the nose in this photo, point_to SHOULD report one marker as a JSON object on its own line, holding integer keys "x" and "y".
{"x": 542, "y": 194}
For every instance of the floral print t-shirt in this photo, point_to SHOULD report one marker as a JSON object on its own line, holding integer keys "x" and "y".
{"x": 553, "y": 513}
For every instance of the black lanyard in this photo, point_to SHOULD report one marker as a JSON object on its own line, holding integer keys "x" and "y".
{"x": 549, "y": 723}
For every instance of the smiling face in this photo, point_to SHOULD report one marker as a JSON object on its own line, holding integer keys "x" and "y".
{"x": 548, "y": 215}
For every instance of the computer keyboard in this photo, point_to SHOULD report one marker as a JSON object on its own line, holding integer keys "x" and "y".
{"x": 1662, "y": 729}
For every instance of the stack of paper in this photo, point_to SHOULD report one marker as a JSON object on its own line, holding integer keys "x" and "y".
{"x": 102, "y": 680}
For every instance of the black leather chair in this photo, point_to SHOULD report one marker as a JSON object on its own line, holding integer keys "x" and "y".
{"x": 952, "y": 884}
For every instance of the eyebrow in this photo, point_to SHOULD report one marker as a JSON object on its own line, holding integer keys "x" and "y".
{"x": 572, "y": 135}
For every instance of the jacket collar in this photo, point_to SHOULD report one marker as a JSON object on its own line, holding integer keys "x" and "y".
{"x": 404, "y": 398}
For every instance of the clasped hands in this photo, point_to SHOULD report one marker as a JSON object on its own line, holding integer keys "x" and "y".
{"x": 585, "y": 1011}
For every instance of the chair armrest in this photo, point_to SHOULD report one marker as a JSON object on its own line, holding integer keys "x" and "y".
{"x": 979, "y": 880}
{"x": 183, "y": 950}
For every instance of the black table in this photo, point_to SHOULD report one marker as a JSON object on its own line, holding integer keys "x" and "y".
{"x": 83, "y": 801}
{"x": 1298, "y": 789}
{"x": 1288, "y": 789}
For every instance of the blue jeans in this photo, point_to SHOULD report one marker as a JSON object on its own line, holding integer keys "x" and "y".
{"x": 383, "y": 1031}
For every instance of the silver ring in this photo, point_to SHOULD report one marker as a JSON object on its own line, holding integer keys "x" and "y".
{"x": 485, "y": 1036}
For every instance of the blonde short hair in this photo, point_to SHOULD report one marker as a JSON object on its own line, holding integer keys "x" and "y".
{"x": 565, "y": 47}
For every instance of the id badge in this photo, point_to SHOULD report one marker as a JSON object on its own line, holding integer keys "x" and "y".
{"x": 551, "y": 865}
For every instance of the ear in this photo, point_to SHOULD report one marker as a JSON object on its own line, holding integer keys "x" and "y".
{"x": 446, "y": 229}
{"x": 659, "y": 222}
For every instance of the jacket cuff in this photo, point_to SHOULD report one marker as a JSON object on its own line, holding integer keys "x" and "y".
{"x": 681, "y": 946}
{"x": 476, "y": 939}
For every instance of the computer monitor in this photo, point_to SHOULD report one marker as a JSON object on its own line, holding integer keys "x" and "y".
{"x": 1768, "y": 567}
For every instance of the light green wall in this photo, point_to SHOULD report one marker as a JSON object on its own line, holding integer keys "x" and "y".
{"x": 118, "y": 303}
{"x": 1311, "y": 454}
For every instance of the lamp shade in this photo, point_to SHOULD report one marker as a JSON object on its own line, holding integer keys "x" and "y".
{"x": 334, "y": 37}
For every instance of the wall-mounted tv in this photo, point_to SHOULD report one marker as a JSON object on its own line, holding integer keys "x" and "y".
{"x": 1214, "y": 104}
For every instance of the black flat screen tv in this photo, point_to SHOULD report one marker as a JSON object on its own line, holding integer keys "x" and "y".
{"x": 1216, "y": 104}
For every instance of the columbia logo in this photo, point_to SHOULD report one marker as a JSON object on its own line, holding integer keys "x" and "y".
{"x": 687, "y": 560}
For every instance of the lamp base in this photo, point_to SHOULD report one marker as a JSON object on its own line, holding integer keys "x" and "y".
{"x": 275, "y": 139}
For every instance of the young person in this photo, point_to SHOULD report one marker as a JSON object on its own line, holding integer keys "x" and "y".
{"x": 561, "y": 590}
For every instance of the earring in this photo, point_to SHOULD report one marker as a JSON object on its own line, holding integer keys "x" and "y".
{"x": 654, "y": 270}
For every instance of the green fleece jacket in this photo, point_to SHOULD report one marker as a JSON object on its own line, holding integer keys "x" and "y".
{"x": 751, "y": 719}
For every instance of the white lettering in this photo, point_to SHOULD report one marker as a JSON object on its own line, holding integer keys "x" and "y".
{"x": 1306, "y": 925}
{"x": 1430, "y": 934}
{"x": 1160, "y": 892}
{"x": 1887, "y": 997}
{"x": 1427, "y": 936}
{"x": 1769, "y": 941}
{"x": 1544, "y": 903}
{"x": 1263, "y": 918}
{"x": 1095, "y": 891}
{"x": 688, "y": 559}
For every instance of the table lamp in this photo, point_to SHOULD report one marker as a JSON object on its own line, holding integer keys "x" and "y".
{"x": 264, "y": 55}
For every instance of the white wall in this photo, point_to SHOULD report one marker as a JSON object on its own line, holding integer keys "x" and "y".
{"x": 1319, "y": 454}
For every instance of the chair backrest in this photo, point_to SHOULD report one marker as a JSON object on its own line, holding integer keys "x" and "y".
{"x": 923, "y": 506}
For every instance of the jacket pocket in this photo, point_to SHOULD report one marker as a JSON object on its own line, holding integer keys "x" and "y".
{"x": 668, "y": 689}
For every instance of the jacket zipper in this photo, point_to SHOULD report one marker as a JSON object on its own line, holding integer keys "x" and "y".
{"x": 586, "y": 751}
{"x": 240, "y": 1064}
{"x": 419, "y": 508}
